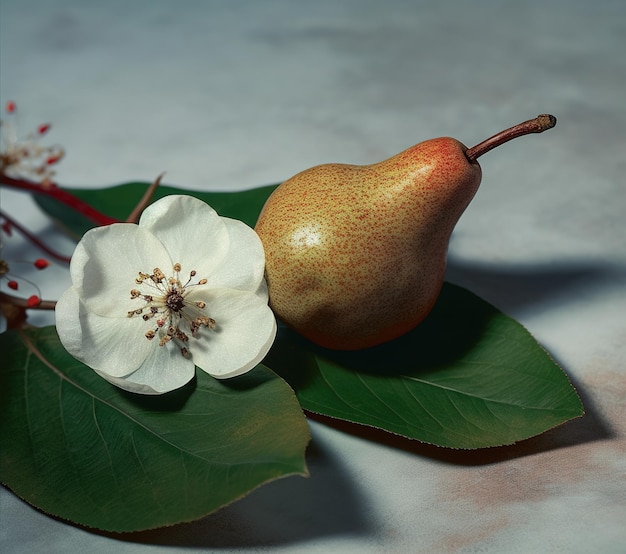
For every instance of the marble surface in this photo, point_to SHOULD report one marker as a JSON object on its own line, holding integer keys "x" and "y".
{"x": 232, "y": 95}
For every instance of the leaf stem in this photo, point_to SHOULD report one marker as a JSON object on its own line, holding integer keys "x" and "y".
{"x": 54, "y": 191}
{"x": 539, "y": 124}
{"x": 133, "y": 217}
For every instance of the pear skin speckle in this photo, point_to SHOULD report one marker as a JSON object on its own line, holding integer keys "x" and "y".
{"x": 356, "y": 255}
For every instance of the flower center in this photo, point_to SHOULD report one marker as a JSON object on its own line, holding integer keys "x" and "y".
{"x": 165, "y": 302}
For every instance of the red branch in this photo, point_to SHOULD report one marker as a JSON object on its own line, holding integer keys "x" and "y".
{"x": 52, "y": 190}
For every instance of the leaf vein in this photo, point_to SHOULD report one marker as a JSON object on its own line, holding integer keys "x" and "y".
{"x": 104, "y": 443}
{"x": 473, "y": 395}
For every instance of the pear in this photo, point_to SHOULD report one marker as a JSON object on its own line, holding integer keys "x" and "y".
{"x": 356, "y": 255}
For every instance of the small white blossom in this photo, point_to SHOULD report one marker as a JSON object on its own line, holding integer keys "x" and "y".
{"x": 183, "y": 288}
{"x": 26, "y": 157}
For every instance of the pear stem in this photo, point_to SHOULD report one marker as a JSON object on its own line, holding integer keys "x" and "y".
{"x": 539, "y": 124}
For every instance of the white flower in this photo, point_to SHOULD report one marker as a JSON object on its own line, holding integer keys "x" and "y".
{"x": 183, "y": 288}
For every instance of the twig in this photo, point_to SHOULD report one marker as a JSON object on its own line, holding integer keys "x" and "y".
{"x": 35, "y": 240}
{"x": 23, "y": 302}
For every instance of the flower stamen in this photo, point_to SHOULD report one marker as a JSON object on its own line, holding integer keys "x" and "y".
{"x": 166, "y": 299}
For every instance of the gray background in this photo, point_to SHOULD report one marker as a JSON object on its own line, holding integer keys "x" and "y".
{"x": 232, "y": 95}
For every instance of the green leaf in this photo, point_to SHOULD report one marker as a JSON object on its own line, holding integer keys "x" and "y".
{"x": 77, "y": 447}
{"x": 119, "y": 201}
{"x": 468, "y": 377}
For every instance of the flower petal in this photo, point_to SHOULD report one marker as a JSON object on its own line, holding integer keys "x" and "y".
{"x": 246, "y": 328}
{"x": 106, "y": 262}
{"x": 92, "y": 316}
{"x": 191, "y": 231}
{"x": 129, "y": 386}
{"x": 164, "y": 370}
{"x": 244, "y": 266}
{"x": 114, "y": 346}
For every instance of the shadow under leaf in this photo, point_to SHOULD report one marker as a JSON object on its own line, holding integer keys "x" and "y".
{"x": 589, "y": 428}
{"x": 286, "y": 512}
